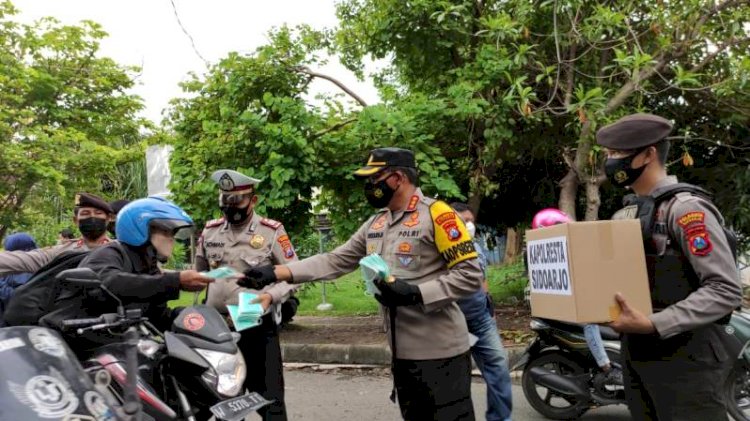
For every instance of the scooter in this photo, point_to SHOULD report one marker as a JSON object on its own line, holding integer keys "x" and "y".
{"x": 41, "y": 380}
{"x": 559, "y": 374}
{"x": 737, "y": 386}
{"x": 190, "y": 372}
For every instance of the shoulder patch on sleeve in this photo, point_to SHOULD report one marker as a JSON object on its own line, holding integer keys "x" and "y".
{"x": 452, "y": 239}
{"x": 215, "y": 223}
{"x": 270, "y": 223}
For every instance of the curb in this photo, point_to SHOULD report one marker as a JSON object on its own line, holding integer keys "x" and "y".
{"x": 374, "y": 355}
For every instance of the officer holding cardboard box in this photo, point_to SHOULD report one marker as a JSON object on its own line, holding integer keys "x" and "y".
{"x": 677, "y": 359}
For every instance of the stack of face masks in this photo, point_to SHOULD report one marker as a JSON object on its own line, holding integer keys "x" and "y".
{"x": 223, "y": 272}
{"x": 373, "y": 268}
{"x": 246, "y": 315}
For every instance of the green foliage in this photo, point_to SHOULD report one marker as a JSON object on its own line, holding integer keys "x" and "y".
{"x": 507, "y": 283}
{"x": 520, "y": 84}
{"x": 66, "y": 124}
{"x": 248, "y": 114}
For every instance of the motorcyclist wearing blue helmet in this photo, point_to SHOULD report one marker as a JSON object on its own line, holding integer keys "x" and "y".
{"x": 146, "y": 232}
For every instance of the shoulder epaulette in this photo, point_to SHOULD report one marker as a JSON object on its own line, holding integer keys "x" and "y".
{"x": 215, "y": 223}
{"x": 270, "y": 223}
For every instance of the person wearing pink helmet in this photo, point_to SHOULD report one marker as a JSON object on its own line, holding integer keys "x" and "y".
{"x": 611, "y": 374}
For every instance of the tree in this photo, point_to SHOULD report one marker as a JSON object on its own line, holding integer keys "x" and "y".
{"x": 249, "y": 113}
{"x": 66, "y": 121}
{"x": 523, "y": 79}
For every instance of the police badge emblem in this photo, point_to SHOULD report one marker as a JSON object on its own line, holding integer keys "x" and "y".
{"x": 256, "y": 241}
{"x": 226, "y": 183}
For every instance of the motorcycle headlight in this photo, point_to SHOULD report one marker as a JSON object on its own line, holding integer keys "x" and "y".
{"x": 227, "y": 373}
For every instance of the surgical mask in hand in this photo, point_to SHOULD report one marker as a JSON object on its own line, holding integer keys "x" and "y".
{"x": 471, "y": 228}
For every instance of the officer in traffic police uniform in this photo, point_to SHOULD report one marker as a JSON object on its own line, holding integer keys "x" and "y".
{"x": 91, "y": 214}
{"x": 242, "y": 239}
{"x": 433, "y": 263}
{"x": 677, "y": 359}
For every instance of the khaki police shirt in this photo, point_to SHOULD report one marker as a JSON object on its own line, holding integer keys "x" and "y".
{"x": 33, "y": 260}
{"x": 258, "y": 242}
{"x": 426, "y": 245}
{"x": 693, "y": 226}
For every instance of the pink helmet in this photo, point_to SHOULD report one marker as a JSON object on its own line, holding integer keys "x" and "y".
{"x": 548, "y": 217}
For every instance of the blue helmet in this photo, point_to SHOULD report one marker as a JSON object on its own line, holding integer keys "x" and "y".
{"x": 136, "y": 219}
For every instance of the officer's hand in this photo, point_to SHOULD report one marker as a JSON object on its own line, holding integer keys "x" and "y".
{"x": 264, "y": 300}
{"x": 193, "y": 281}
{"x": 397, "y": 293}
{"x": 631, "y": 320}
{"x": 258, "y": 277}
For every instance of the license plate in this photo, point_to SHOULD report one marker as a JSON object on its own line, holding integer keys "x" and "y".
{"x": 240, "y": 407}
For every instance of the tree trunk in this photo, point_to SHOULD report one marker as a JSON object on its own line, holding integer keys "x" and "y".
{"x": 593, "y": 196}
{"x": 475, "y": 200}
{"x": 512, "y": 245}
{"x": 568, "y": 193}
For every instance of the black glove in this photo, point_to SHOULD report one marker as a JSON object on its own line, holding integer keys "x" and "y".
{"x": 397, "y": 293}
{"x": 258, "y": 277}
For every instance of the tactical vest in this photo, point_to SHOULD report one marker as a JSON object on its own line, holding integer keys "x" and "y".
{"x": 670, "y": 274}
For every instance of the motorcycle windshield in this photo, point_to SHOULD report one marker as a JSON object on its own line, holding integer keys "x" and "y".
{"x": 41, "y": 379}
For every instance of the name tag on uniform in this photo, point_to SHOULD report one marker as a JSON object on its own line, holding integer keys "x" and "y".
{"x": 628, "y": 212}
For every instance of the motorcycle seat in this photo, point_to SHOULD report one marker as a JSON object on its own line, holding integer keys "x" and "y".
{"x": 608, "y": 334}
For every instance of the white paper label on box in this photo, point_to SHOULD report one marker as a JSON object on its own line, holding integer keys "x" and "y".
{"x": 549, "y": 267}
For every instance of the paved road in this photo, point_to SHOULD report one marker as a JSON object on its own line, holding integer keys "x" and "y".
{"x": 322, "y": 396}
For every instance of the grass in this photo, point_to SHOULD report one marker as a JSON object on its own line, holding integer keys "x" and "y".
{"x": 347, "y": 294}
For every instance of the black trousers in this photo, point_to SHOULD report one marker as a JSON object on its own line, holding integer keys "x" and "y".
{"x": 679, "y": 378}
{"x": 434, "y": 390}
{"x": 265, "y": 372}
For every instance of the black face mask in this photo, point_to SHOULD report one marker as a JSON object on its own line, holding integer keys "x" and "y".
{"x": 92, "y": 228}
{"x": 236, "y": 215}
{"x": 378, "y": 194}
{"x": 620, "y": 172}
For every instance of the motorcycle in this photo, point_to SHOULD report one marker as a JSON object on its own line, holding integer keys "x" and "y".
{"x": 42, "y": 380}
{"x": 189, "y": 372}
{"x": 559, "y": 374}
{"x": 737, "y": 386}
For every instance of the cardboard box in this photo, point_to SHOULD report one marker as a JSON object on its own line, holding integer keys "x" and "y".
{"x": 576, "y": 269}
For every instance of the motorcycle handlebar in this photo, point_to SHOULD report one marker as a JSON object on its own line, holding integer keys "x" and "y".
{"x": 76, "y": 323}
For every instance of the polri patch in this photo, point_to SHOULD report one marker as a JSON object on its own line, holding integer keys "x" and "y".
{"x": 691, "y": 218}
{"x": 700, "y": 244}
{"x": 405, "y": 260}
{"x": 404, "y": 248}
{"x": 286, "y": 246}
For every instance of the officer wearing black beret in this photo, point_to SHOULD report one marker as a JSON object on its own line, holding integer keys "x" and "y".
{"x": 678, "y": 358}
{"x": 91, "y": 214}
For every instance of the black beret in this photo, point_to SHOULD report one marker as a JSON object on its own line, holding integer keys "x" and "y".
{"x": 383, "y": 158}
{"x": 117, "y": 205}
{"x": 86, "y": 200}
{"x": 634, "y": 131}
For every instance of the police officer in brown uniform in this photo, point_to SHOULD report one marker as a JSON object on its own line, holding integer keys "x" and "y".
{"x": 91, "y": 215}
{"x": 434, "y": 263}
{"x": 242, "y": 239}
{"x": 677, "y": 359}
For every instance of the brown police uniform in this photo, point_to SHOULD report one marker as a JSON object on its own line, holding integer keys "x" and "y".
{"x": 254, "y": 242}
{"x": 678, "y": 372}
{"x": 258, "y": 242}
{"x": 33, "y": 260}
{"x": 427, "y": 245}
